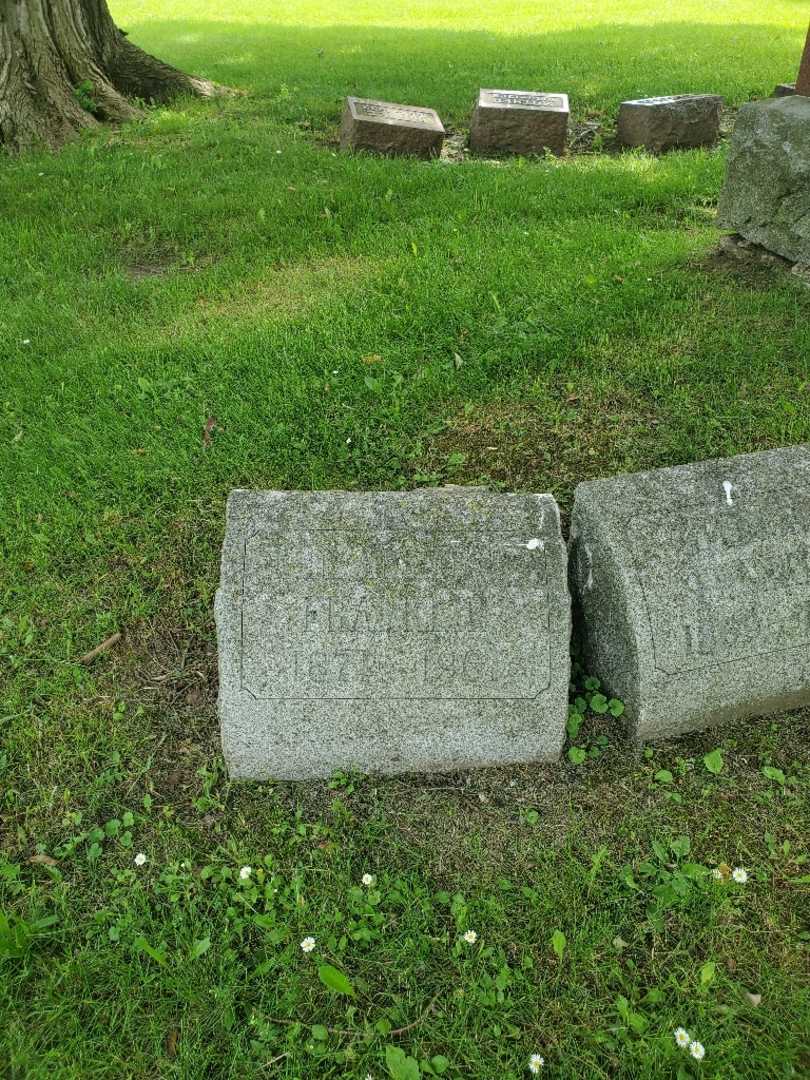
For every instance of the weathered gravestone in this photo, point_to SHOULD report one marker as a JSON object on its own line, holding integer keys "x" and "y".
{"x": 519, "y": 122}
{"x": 391, "y": 631}
{"x": 666, "y": 123}
{"x": 766, "y": 195}
{"x": 693, "y": 585}
{"x": 385, "y": 128}
{"x": 784, "y": 90}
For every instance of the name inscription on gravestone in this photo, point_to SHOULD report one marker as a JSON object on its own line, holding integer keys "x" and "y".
{"x": 730, "y": 586}
{"x": 391, "y": 631}
{"x": 355, "y": 621}
{"x": 394, "y": 112}
{"x": 518, "y": 97}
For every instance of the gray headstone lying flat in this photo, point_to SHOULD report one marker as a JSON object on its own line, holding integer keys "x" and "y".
{"x": 391, "y": 631}
{"x": 665, "y": 123}
{"x": 766, "y": 196}
{"x": 383, "y": 127}
{"x": 693, "y": 587}
{"x": 519, "y": 122}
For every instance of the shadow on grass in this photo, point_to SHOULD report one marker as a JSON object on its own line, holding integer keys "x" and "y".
{"x": 307, "y": 70}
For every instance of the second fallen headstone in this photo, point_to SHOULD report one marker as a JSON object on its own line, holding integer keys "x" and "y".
{"x": 693, "y": 585}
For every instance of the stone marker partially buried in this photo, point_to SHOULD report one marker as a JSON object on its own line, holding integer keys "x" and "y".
{"x": 390, "y": 631}
{"x": 382, "y": 127}
{"x": 693, "y": 588}
{"x": 669, "y": 123}
{"x": 519, "y": 122}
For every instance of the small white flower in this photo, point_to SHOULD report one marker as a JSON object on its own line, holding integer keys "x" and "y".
{"x": 682, "y": 1038}
{"x": 139, "y": 859}
{"x": 348, "y": 441}
{"x": 697, "y": 1050}
{"x": 26, "y": 341}
{"x": 245, "y": 872}
{"x": 308, "y": 944}
{"x": 717, "y": 874}
{"x": 739, "y": 875}
{"x": 278, "y": 151}
{"x": 368, "y": 879}
{"x": 471, "y": 937}
{"x": 536, "y": 1063}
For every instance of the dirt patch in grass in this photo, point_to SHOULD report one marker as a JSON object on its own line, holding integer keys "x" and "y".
{"x": 541, "y": 446}
{"x": 752, "y": 265}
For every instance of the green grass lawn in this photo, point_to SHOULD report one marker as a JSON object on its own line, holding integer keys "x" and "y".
{"x": 359, "y": 323}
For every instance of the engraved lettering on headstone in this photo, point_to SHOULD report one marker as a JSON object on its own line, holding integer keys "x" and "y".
{"x": 729, "y": 585}
{"x": 347, "y": 609}
{"x": 543, "y": 101}
{"x": 392, "y": 112}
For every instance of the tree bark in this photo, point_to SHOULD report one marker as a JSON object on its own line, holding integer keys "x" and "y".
{"x": 65, "y": 65}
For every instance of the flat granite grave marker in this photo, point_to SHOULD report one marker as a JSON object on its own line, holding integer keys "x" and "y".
{"x": 391, "y": 631}
{"x": 666, "y": 123}
{"x": 519, "y": 122}
{"x": 693, "y": 585}
{"x": 383, "y": 127}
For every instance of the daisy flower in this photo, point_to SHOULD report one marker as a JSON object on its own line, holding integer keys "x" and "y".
{"x": 682, "y": 1038}
{"x": 740, "y": 875}
{"x": 139, "y": 859}
{"x": 536, "y": 1063}
{"x": 308, "y": 944}
{"x": 471, "y": 937}
{"x": 245, "y": 872}
{"x": 368, "y": 879}
{"x": 697, "y": 1050}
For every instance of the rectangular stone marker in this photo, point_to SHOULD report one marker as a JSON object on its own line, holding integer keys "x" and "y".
{"x": 385, "y": 128}
{"x": 391, "y": 631}
{"x": 519, "y": 122}
{"x": 666, "y": 123}
{"x": 694, "y": 588}
{"x": 766, "y": 195}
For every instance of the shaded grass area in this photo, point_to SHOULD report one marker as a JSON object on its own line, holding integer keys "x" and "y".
{"x": 212, "y": 298}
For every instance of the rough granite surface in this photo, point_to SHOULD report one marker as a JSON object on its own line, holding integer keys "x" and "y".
{"x": 519, "y": 122}
{"x": 391, "y": 631}
{"x": 383, "y": 127}
{"x": 766, "y": 196}
{"x": 666, "y": 123}
{"x": 692, "y": 589}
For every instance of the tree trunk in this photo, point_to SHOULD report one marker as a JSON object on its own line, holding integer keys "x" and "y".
{"x": 65, "y": 65}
